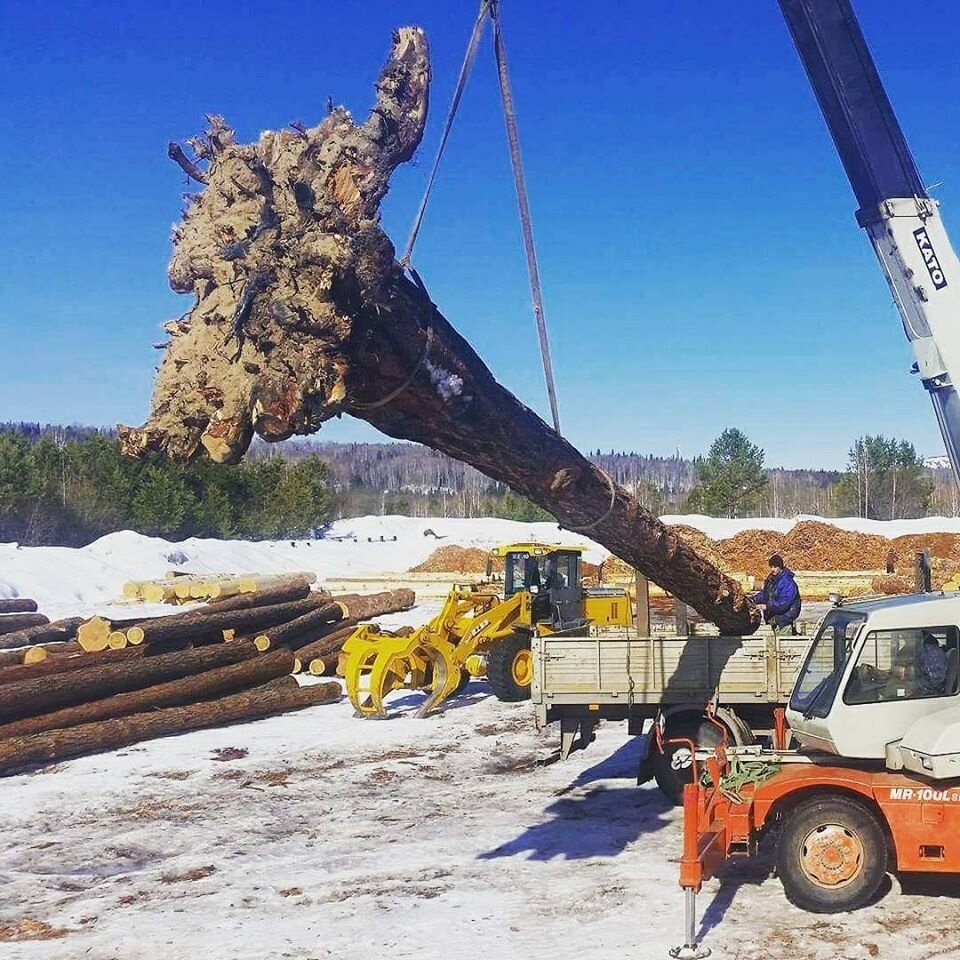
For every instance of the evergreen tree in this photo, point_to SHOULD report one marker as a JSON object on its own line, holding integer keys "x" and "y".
{"x": 731, "y": 477}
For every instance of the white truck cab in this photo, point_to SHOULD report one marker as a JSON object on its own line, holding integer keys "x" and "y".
{"x": 875, "y": 670}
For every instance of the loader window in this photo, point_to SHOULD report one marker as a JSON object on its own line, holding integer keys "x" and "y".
{"x": 522, "y": 573}
{"x": 907, "y": 664}
{"x": 820, "y": 675}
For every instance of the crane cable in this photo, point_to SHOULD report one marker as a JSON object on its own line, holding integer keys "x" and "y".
{"x": 490, "y": 8}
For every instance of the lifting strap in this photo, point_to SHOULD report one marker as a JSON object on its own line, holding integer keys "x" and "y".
{"x": 465, "y": 69}
{"x": 490, "y": 8}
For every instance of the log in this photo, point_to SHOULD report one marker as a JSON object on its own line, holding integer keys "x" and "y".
{"x": 367, "y": 606}
{"x": 282, "y": 592}
{"x": 284, "y": 335}
{"x": 207, "y": 620}
{"x": 57, "y": 665}
{"x": 14, "y": 622}
{"x": 11, "y": 658}
{"x": 202, "y": 686}
{"x": 303, "y": 629}
{"x": 278, "y": 696}
{"x": 324, "y": 666}
{"x": 18, "y": 605}
{"x": 327, "y": 645}
{"x": 25, "y": 698}
{"x": 59, "y": 631}
{"x": 42, "y": 651}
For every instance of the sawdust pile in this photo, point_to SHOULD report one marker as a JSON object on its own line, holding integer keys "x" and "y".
{"x": 809, "y": 546}
{"x": 814, "y": 546}
{"x": 456, "y": 559}
{"x": 943, "y": 546}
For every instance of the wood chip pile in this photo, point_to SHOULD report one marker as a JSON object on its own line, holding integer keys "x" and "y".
{"x": 472, "y": 560}
{"x": 105, "y": 684}
{"x": 814, "y": 546}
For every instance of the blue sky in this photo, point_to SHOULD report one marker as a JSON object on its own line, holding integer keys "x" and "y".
{"x": 700, "y": 261}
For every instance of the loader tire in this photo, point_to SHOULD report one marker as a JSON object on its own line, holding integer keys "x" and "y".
{"x": 510, "y": 668}
{"x": 832, "y": 855}
{"x": 673, "y": 769}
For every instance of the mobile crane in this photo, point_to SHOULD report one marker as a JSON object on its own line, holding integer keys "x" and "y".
{"x": 875, "y": 781}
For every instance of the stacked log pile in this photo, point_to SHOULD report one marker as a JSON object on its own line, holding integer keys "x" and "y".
{"x": 221, "y": 663}
{"x": 188, "y": 588}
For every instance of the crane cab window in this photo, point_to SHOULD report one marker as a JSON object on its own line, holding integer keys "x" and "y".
{"x": 906, "y": 665}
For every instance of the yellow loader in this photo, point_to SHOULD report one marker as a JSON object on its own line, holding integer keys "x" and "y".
{"x": 483, "y": 630}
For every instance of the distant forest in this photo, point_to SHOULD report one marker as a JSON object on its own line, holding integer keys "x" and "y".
{"x": 69, "y": 485}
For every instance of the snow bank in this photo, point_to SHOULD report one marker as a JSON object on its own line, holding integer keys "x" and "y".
{"x": 67, "y": 581}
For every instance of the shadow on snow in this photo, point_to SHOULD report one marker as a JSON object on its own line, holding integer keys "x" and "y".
{"x": 598, "y": 822}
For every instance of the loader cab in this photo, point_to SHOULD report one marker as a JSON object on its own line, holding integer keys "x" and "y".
{"x": 550, "y": 574}
{"x": 873, "y": 670}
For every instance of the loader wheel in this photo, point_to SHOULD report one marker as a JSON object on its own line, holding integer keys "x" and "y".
{"x": 673, "y": 769}
{"x": 510, "y": 668}
{"x": 832, "y": 855}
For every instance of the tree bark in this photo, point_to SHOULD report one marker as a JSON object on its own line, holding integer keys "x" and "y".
{"x": 15, "y": 622}
{"x": 293, "y": 589}
{"x": 361, "y": 606}
{"x": 325, "y": 646}
{"x": 60, "y": 631}
{"x": 202, "y": 686}
{"x": 212, "y": 619}
{"x": 57, "y": 665}
{"x": 306, "y": 315}
{"x": 18, "y": 605}
{"x": 26, "y": 698}
{"x": 278, "y": 696}
{"x": 307, "y": 626}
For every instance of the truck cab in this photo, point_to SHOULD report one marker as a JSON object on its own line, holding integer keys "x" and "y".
{"x": 874, "y": 669}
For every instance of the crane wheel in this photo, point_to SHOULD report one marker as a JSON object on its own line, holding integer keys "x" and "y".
{"x": 832, "y": 855}
{"x": 510, "y": 668}
{"x": 673, "y": 769}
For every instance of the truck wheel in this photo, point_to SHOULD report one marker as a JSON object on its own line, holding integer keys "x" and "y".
{"x": 673, "y": 769}
{"x": 510, "y": 668}
{"x": 832, "y": 855}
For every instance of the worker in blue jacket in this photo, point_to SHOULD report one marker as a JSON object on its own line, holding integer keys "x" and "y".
{"x": 780, "y": 595}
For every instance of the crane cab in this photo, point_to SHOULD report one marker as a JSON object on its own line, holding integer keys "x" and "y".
{"x": 875, "y": 670}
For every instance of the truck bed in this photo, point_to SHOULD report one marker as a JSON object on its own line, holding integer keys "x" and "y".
{"x": 616, "y": 675}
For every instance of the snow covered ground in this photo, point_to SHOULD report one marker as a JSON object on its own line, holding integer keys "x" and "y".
{"x": 320, "y": 835}
{"x": 85, "y": 581}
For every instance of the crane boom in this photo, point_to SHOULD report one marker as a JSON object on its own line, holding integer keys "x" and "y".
{"x": 901, "y": 220}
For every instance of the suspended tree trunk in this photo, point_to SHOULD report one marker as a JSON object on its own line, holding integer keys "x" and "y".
{"x": 202, "y": 686}
{"x": 278, "y": 696}
{"x": 301, "y": 314}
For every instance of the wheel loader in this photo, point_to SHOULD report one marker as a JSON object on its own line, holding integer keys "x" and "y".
{"x": 484, "y": 630}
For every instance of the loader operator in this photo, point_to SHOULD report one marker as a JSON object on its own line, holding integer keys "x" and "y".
{"x": 780, "y": 595}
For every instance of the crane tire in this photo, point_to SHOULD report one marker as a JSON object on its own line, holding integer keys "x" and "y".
{"x": 508, "y": 672}
{"x": 832, "y": 855}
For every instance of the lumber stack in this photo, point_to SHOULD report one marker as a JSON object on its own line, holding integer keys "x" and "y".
{"x": 123, "y": 681}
